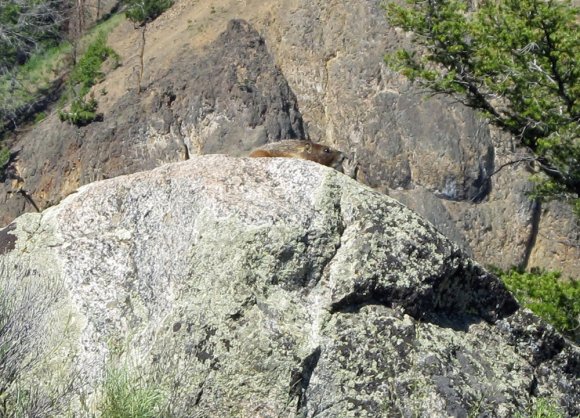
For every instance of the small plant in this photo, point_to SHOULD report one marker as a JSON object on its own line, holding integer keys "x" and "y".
{"x": 39, "y": 117}
{"x": 543, "y": 408}
{"x": 4, "y": 156}
{"x": 84, "y": 75}
{"x": 127, "y": 397}
{"x": 82, "y": 112}
{"x": 548, "y": 296}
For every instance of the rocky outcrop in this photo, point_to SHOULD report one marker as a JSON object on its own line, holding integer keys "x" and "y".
{"x": 263, "y": 287}
{"x": 314, "y": 70}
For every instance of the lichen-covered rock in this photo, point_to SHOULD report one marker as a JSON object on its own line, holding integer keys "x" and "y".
{"x": 244, "y": 287}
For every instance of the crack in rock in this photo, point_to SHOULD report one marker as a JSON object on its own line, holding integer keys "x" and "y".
{"x": 300, "y": 378}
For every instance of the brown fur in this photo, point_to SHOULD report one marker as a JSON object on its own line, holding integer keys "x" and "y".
{"x": 304, "y": 150}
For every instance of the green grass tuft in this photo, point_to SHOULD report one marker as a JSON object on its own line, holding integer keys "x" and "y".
{"x": 543, "y": 408}
{"x": 4, "y": 156}
{"x": 555, "y": 300}
{"x": 127, "y": 397}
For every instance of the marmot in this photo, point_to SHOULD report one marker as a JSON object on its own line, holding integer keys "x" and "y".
{"x": 302, "y": 149}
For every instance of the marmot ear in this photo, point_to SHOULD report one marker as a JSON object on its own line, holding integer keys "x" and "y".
{"x": 308, "y": 147}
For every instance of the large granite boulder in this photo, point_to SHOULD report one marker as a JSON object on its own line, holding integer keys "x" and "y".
{"x": 261, "y": 288}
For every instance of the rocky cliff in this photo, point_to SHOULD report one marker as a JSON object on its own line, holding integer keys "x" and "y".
{"x": 262, "y": 288}
{"x": 299, "y": 68}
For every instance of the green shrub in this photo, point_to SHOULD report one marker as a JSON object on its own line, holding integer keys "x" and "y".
{"x": 143, "y": 11}
{"x": 82, "y": 112}
{"x": 548, "y": 296}
{"x": 127, "y": 397}
{"x": 87, "y": 71}
{"x": 85, "y": 74}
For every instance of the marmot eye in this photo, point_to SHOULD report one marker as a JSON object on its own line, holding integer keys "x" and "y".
{"x": 327, "y": 150}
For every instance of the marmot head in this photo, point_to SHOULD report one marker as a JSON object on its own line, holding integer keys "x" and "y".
{"x": 323, "y": 154}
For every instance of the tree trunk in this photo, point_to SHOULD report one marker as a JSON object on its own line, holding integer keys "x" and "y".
{"x": 141, "y": 57}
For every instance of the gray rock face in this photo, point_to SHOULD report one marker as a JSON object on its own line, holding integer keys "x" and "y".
{"x": 234, "y": 98}
{"x": 400, "y": 138}
{"x": 266, "y": 287}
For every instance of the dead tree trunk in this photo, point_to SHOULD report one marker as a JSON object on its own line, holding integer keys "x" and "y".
{"x": 141, "y": 57}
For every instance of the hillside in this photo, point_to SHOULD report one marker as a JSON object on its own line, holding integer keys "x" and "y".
{"x": 298, "y": 68}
